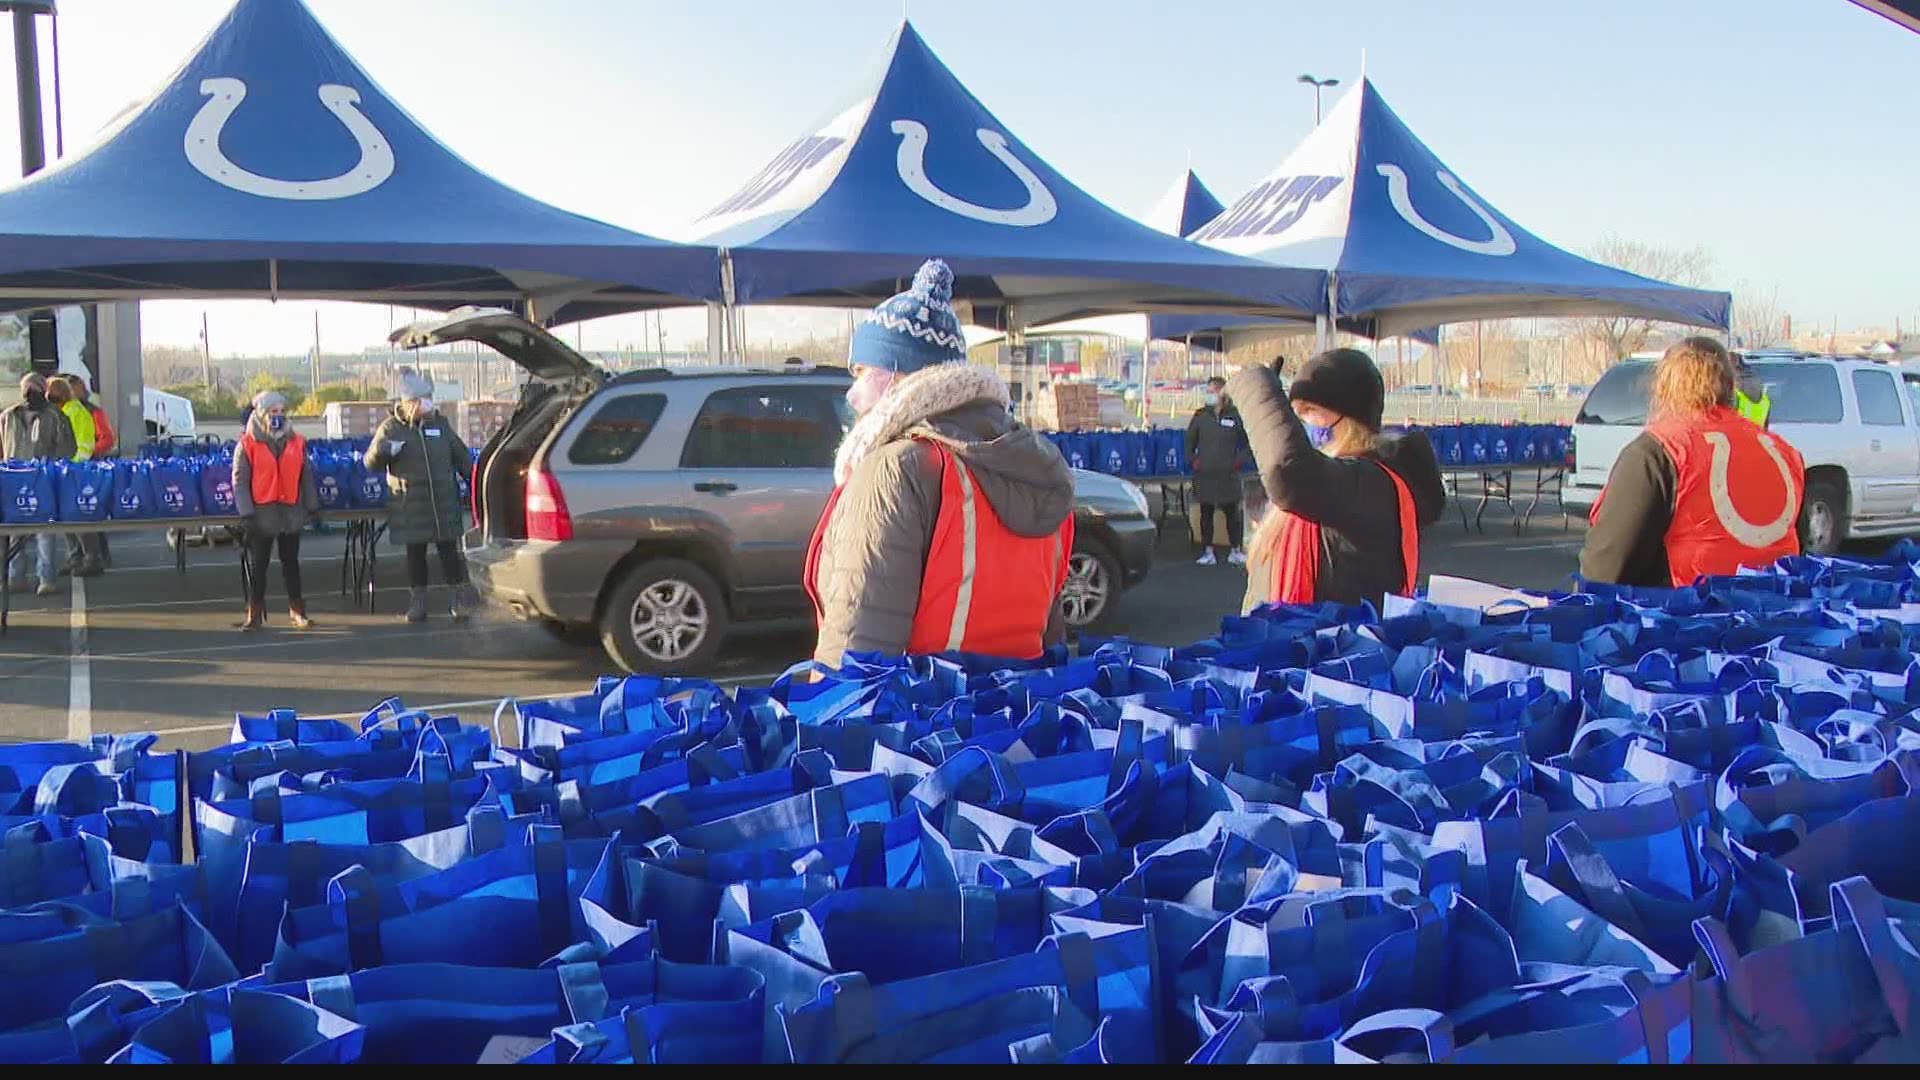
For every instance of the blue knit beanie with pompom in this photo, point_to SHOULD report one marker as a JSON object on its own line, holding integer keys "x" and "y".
{"x": 915, "y": 329}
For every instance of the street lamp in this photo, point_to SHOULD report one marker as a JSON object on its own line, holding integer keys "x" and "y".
{"x": 1318, "y": 85}
{"x": 26, "y": 67}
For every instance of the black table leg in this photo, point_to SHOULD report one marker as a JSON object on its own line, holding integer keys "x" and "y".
{"x": 9, "y": 547}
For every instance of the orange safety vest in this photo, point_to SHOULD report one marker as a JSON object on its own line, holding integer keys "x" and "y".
{"x": 275, "y": 479}
{"x": 1737, "y": 495}
{"x": 1297, "y": 549}
{"x": 986, "y": 589}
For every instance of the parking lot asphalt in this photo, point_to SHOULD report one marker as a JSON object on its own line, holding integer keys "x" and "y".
{"x": 144, "y": 648}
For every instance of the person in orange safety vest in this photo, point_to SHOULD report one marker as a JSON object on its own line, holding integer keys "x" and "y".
{"x": 275, "y": 493}
{"x": 950, "y": 528}
{"x": 1703, "y": 491}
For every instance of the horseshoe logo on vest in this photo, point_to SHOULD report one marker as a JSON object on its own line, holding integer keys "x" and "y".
{"x": 1500, "y": 244}
{"x": 1737, "y": 526}
{"x": 224, "y": 97}
{"x": 912, "y": 163}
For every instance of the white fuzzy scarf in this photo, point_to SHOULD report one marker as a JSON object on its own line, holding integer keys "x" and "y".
{"x": 912, "y": 400}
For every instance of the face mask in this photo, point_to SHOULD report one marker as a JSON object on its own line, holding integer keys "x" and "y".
{"x": 1319, "y": 436}
{"x": 36, "y": 399}
{"x": 276, "y": 423}
{"x": 1213, "y": 401}
{"x": 868, "y": 389}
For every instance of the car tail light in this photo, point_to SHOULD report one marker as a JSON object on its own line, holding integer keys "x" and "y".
{"x": 547, "y": 516}
{"x": 1573, "y": 455}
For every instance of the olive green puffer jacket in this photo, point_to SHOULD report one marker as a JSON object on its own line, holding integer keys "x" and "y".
{"x": 423, "y": 458}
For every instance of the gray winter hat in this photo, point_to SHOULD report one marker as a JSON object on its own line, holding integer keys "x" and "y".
{"x": 415, "y": 384}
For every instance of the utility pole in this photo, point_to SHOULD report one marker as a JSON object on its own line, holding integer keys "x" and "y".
{"x": 314, "y": 372}
{"x": 206, "y": 354}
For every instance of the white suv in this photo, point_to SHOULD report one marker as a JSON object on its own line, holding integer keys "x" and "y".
{"x": 1857, "y": 423}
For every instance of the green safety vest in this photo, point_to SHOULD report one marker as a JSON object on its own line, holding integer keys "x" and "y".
{"x": 1756, "y": 411}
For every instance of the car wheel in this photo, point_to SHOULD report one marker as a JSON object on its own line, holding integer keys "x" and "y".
{"x": 1823, "y": 520}
{"x": 571, "y": 633}
{"x": 1092, "y": 587}
{"x": 664, "y": 617}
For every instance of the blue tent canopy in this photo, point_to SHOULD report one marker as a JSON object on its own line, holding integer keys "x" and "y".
{"x": 1410, "y": 246}
{"x": 914, "y": 167}
{"x": 271, "y": 165}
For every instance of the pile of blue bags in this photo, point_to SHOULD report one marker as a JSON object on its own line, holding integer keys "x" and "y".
{"x": 1625, "y": 826}
{"x": 1499, "y": 444}
{"x": 161, "y": 485}
{"x": 1158, "y": 454}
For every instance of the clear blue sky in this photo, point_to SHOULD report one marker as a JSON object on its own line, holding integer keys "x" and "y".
{"x": 1779, "y": 134}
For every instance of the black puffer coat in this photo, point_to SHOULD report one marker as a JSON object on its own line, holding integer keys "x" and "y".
{"x": 1351, "y": 499}
{"x": 423, "y": 458}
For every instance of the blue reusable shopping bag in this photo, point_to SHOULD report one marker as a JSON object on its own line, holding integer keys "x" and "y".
{"x": 1140, "y": 453}
{"x": 85, "y": 490}
{"x": 332, "y": 479}
{"x": 1448, "y": 446}
{"x": 1170, "y": 452}
{"x": 40, "y": 977}
{"x": 369, "y": 487}
{"x": 1503, "y": 444}
{"x": 27, "y": 493}
{"x": 133, "y": 497}
{"x": 176, "y": 489}
{"x": 216, "y": 486}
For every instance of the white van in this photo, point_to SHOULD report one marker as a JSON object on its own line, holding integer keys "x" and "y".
{"x": 167, "y": 415}
{"x": 1856, "y": 422}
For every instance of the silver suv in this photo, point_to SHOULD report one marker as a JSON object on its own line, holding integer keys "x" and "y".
{"x": 651, "y": 510}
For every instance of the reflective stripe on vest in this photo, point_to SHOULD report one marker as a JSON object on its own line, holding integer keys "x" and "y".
{"x": 272, "y": 483}
{"x": 1737, "y": 496}
{"x": 969, "y": 555}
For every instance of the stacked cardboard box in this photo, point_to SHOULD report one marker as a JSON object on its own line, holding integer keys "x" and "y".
{"x": 1070, "y": 407}
{"x": 355, "y": 419}
{"x": 478, "y": 420}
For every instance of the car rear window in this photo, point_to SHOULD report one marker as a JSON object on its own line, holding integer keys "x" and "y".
{"x": 1620, "y": 397}
{"x": 617, "y": 429}
{"x": 1802, "y": 392}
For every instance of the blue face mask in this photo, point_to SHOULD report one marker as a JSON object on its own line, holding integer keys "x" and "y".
{"x": 277, "y": 423}
{"x": 1318, "y": 436}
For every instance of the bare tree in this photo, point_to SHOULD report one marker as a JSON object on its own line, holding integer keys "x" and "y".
{"x": 1620, "y": 336}
{"x": 1757, "y": 319}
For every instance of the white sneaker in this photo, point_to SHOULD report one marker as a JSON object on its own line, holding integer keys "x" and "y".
{"x": 1207, "y": 559}
{"x": 1238, "y": 558}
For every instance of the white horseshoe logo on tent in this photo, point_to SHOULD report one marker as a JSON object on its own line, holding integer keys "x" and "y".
{"x": 1501, "y": 243}
{"x": 224, "y": 97}
{"x": 1737, "y": 526}
{"x": 912, "y": 162}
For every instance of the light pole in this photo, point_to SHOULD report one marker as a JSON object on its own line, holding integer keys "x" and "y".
{"x": 1318, "y": 85}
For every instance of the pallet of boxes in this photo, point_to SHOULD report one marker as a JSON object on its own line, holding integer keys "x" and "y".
{"x": 1069, "y": 407}
{"x": 478, "y": 421}
{"x": 355, "y": 419}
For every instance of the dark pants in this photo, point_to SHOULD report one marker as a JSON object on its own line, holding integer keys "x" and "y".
{"x": 84, "y": 549}
{"x": 452, "y": 564}
{"x": 1236, "y": 526}
{"x": 260, "y": 553}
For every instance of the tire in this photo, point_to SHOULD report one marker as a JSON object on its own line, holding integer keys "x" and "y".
{"x": 690, "y": 601}
{"x": 571, "y": 633}
{"x": 1823, "y": 518}
{"x": 1093, "y": 586}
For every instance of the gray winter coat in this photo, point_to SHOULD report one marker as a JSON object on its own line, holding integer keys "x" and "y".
{"x": 873, "y": 556}
{"x": 422, "y": 458}
{"x": 1217, "y": 447}
{"x": 272, "y": 519}
{"x": 35, "y": 434}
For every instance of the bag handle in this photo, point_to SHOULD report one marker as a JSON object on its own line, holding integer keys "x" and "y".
{"x": 359, "y": 899}
{"x": 1859, "y": 907}
{"x": 1433, "y": 1028}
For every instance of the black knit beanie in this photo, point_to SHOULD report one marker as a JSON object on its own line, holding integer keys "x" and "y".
{"x": 1345, "y": 381}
